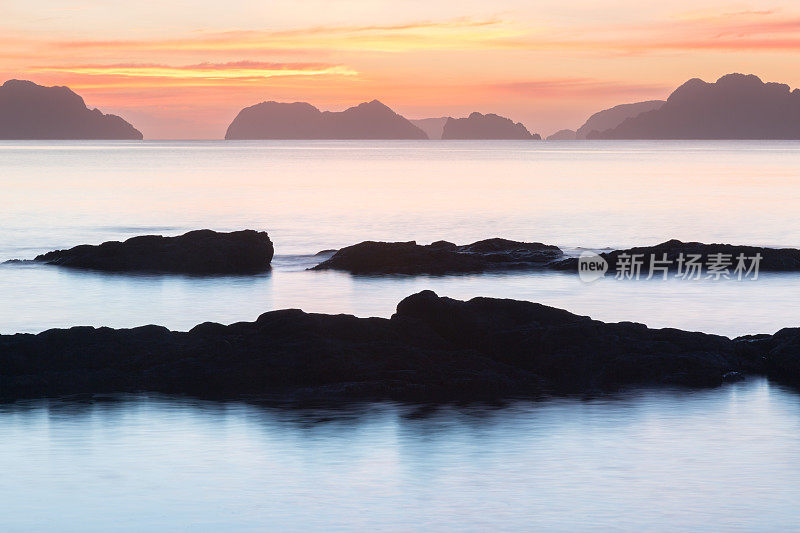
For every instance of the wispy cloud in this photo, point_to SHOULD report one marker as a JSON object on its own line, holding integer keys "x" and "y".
{"x": 238, "y": 70}
{"x": 744, "y": 31}
{"x": 532, "y": 62}
{"x": 756, "y": 30}
{"x": 452, "y": 34}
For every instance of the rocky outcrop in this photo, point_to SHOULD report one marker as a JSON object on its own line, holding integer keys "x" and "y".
{"x": 433, "y": 127}
{"x": 299, "y": 120}
{"x": 433, "y": 348}
{"x": 613, "y": 117}
{"x": 29, "y": 111}
{"x": 441, "y": 257}
{"x": 486, "y": 127}
{"x": 737, "y": 106}
{"x": 677, "y": 254}
{"x": 196, "y": 252}
{"x": 563, "y": 135}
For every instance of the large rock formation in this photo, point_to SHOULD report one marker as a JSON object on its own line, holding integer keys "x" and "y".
{"x": 196, "y": 252}
{"x": 299, "y": 120}
{"x": 441, "y": 257}
{"x": 30, "y": 111}
{"x": 613, "y": 117}
{"x": 433, "y": 127}
{"x": 737, "y": 106}
{"x": 487, "y": 127}
{"x": 433, "y": 348}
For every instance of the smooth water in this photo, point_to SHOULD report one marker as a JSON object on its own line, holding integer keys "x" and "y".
{"x": 312, "y": 196}
{"x": 726, "y": 459}
{"x": 650, "y": 460}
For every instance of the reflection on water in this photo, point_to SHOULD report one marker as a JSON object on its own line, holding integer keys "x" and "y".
{"x": 668, "y": 460}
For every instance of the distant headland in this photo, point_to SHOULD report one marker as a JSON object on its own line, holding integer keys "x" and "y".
{"x": 29, "y": 111}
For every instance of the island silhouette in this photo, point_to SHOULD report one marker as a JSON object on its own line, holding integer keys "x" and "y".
{"x": 736, "y": 106}
{"x": 489, "y": 126}
{"x": 606, "y": 119}
{"x": 29, "y": 111}
{"x": 563, "y": 135}
{"x": 300, "y": 120}
{"x": 613, "y": 117}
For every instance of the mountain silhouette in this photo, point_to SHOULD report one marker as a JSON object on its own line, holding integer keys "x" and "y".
{"x": 31, "y": 111}
{"x": 490, "y": 126}
{"x": 563, "y": 135}
{"x": 299, "y": 120}
{"x": 613, "y": 117}
{"x": 433, "y": 127}
{"x": 737, "y": 106}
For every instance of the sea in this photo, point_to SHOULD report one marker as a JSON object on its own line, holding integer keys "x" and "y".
{"x": 646, "y": 460}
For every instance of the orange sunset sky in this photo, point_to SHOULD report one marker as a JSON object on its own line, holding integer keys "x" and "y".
{"x": 183, "y": 69}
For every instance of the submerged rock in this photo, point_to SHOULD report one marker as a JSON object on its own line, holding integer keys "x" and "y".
{"x": 441, "y": 257}
{"x": 432, "y": 348}
{"x": 196, "y": 252}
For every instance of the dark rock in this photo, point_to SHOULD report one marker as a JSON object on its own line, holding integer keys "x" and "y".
{"x": 737, "y": 106}
{"x": 778, "y": 354}
{"x": 440, "y": 257}
{"x": 299, "y": 120}
{"x": 31, "y": 111}
{"x": 487, "y": 127}
{"x": 732, "y": 377}
{"x": 196, "y": 252}
{"x": 573, "y": 353}
{"x": 432, "y": 349}
{"x": 772, "y": 259}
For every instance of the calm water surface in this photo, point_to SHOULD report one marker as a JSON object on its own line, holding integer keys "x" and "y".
{"x": 312, "y": 196}
{"x": 720, "y": 460}
{"x": 661, "y": 460}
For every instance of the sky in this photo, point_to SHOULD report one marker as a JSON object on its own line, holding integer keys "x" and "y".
{"x": 181, "y": 69}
